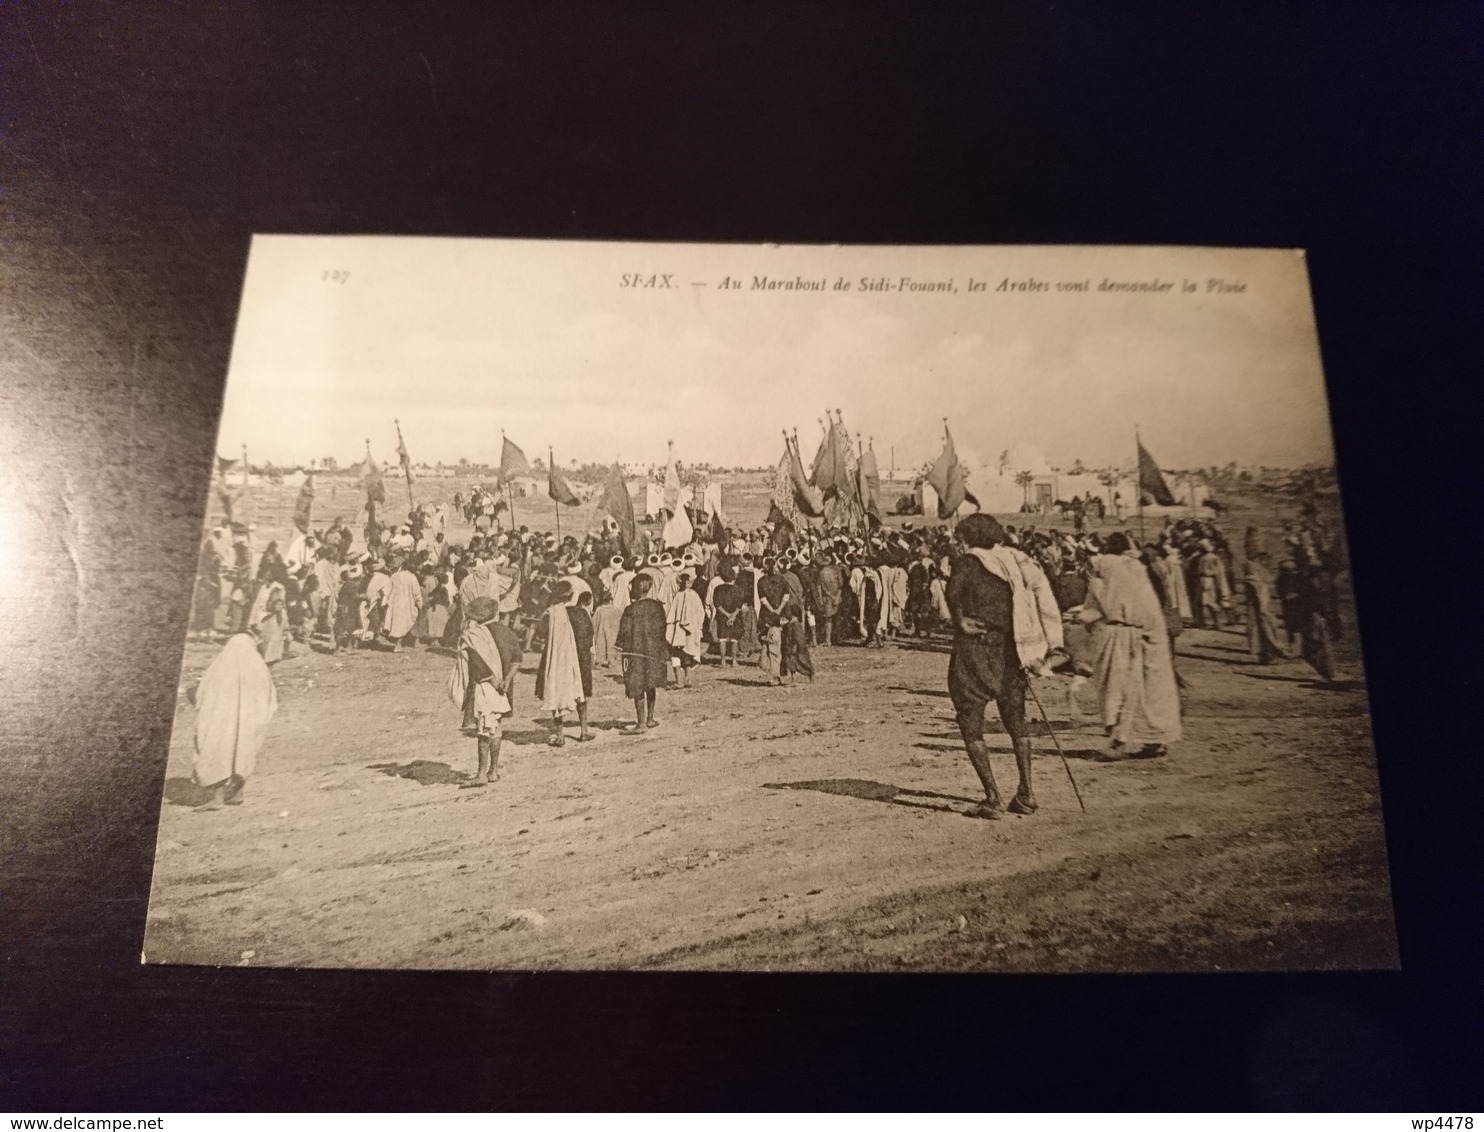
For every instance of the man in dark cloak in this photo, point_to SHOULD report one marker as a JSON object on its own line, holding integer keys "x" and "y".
{"x": 208, "y": 590}
{"x": 645, "y": 650}
{"x": 781, "y": 619}
{"x": 830, "y": 582}
{"x": 985, "y": 665}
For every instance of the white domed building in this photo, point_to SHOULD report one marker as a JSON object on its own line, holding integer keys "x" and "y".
{"x": 1022, "y": 477}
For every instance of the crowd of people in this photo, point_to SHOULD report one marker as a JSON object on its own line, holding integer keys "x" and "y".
{"x": 1008, "y": 599}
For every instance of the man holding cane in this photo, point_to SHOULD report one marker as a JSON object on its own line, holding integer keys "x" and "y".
{"x": 1005, "y": 622}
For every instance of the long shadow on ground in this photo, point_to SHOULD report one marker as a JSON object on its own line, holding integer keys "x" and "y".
{"x": 184, "y": 792}
{"x": 868, "y": 791}
{"x": 1088, "y": 753}
{"x": 924, "y": 646}
{"x": 539, "y": 735}
{"x": 425, "y": 772}
{"x": 996, "y": 727}
{"x": 1308, "y": 682}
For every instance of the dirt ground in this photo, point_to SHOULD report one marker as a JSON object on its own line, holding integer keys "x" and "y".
{"x": 817, "y": 827}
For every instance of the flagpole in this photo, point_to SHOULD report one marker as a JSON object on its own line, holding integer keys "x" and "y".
{"x": 551, "y": 471}
{"x": 799, "y": 456}
{"x": 1139, "y": 480}
{"x": 953, "y": 518}
{"x": 840, "y": 420}
{"x": 369, "y": 508}
{"x": 406, "y": 463}
{"x": 509, "y": 495}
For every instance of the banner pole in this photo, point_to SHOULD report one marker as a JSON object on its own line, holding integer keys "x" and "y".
{"x": 1139, "y": 480}
{"x": 550, "y": 471}
{"x": 509, "y": 495}
{"x": 407, "y": 463}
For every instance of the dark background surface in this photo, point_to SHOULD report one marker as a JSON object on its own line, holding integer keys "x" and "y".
{"x": 143, "y": 144}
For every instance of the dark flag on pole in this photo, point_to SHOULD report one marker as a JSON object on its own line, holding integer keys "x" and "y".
{"x": 223, "y": 465}
{"x": 402, "y": 457}
{"x": 1152, "y": 486}
{"x": 617, "y": 502}
{"x": 807, "y": 498}
{"x": 777, "y": 517}
{"x": 556, "y": 487}
{"x": 716, "y": 532}
{"x": 302, "y": 507}
{"x": 513, "y": 461}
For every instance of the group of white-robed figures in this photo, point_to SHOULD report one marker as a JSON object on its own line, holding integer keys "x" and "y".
{"x": 1132, "y": 667}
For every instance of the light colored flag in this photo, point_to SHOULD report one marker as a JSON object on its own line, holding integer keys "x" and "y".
{"x": 678, "y": 530}
{"x": 711, "y": 500}
{"x": 829, "y": 469}
{"x": 371, "y": 481}
{"x": 868, "y": 476}
{"x": 948, "y": 478}
{"x": 672, "y": 485}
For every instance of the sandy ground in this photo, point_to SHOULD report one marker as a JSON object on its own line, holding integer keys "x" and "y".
{"x": 823, "y": 826}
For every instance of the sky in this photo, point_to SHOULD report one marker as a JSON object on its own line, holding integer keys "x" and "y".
{"x": 459, "y": 339}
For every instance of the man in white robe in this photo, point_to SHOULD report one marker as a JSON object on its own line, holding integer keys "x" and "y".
{"x": 234, "y": 702}
{"x": 404, "y": 601}
{"x": 1133, "y": 669}
{"x": 619, "y": 585}
{"x": 893, "y": 597}
{"x": 559, "y": 678}
{"x": 685, "y": 616}
{"x": 576, "y": 582}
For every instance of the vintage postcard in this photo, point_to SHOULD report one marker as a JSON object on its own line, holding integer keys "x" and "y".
{"x": 656, "y": 606}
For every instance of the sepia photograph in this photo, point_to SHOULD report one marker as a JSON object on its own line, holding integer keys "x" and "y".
{"x": 569, "y": 605}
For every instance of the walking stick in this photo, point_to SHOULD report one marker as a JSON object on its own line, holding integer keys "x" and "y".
{"x": 1065, "y": 765}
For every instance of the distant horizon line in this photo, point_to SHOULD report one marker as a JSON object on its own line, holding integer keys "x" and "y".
{"x": 727, "y": 466}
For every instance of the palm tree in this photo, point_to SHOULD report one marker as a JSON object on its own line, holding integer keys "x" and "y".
{"x": 1025, "y": 479}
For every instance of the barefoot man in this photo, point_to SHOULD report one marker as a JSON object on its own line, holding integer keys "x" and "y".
{"x": 479, "y": 687}
{"x": 646, "y": 652}
{"x": 1004, "y": 619}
